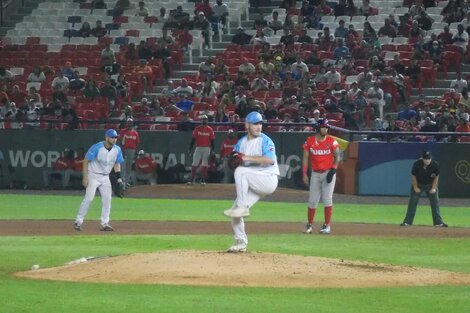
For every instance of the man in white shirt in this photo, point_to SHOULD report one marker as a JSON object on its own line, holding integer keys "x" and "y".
{"x": 460, "y": 39}
{"x": 246, "y": 67}
{"x": 142, "y": 10}
{"x": 259, "y": 83}
{"x": 301, "y": 65}
{"x": 184, "y": 90}
{"x": 206, "y": 67}
{"x": 459, "y": 84}
{"x": 61, "y": 82}
{"x": 220, "y": 13}
{"x": 376, "y": 98}
{"x": 332, "y": 77}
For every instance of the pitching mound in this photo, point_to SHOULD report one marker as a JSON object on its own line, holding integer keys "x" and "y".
{"x": 244, "y": 269}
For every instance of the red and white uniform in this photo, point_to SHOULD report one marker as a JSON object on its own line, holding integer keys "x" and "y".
{"x": 77, "y": 164}
{"x": 321, "y": 153}
{"x": 130, "y": 139}
{"x": 145, "y": 165}
{"x": 226, "y": 148}
{"x": 322, "y": 159}
{"x": 62, "y": 164}
{"x": 203, "y": 135}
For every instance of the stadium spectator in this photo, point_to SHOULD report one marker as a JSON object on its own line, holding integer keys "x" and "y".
{"x": 143, "y": 51}
{"x": 36, "y": 76}
{"x": 341, "y": 31}
{"x": 460, "y": 39}
{"x": 241, "y": 38}
{"x": 17, "y": 96}
{"x": 145, "y": 73}
{"x": 287, "y": 38}
{"x": 76, "y": 83}
{"x": 376, "y": 99}
{"x": 60, "y": 81}
{"x": 206, "y": 68}
{"x": 5, "y": 76}
{"x": 459, "y": 83}
{"x": 201, "y": 23}
{"x": 164, "y": 54}
{"x": 185, "y": 124}
{"x": 85, "y": 30}
{"x": 414, "y": 71}
{"x": 142, "y": 10}
{"x": 165, "y": 39}
{"x": 275, "y": 24}
{"x": 219, "y": 15}
{"x": 407, "y": 114}
{"x": 333, "y": 77}
{"x": 183, "y": 90}
{"x": 109, "y": 91}
{"x": 122, "y": 86}
{"x": 445, "y": 37}
{"x": 369, "y": 34}
{"x": 183, "y": 104}
{"x": 341, "y": 50}
{"x": 67, "y": 70}
{"x": 91, "y": 90}
{"x": 99, "y": 30}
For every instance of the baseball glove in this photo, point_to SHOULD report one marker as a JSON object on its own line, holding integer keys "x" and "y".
{"x": 329, "y": 176}
{"x": 235, "y": 160}
{"x": 117, "y": 184}
{"x": 119, "y": 189}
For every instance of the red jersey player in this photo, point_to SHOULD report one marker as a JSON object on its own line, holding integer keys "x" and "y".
{"x": 203, "y": 137}
{"x": 323, "y": 151}
{"x": 226, "y": 149}
{"x": 130, "y": 140}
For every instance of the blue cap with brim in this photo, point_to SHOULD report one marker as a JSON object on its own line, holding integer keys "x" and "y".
{"x": 111, "y": 133}
{"x": 253, "y": 118}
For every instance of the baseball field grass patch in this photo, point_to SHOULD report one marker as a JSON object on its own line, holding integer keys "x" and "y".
{"x": 19, "y": 253}
{"x": 65, "y": 207}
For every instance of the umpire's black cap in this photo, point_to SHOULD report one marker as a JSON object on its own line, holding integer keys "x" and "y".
{"x": 426, "y": 155}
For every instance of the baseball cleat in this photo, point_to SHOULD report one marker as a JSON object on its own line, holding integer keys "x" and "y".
{"x": 106, "y": 227}
{"x": 441, "y": 225}
{"x": 405, "y": 224}
{"x": 238, "y": 246}
{"x": 325, "y": 229}
{"x": 237, "y": 212}
{"x": 77, "y": 227}
{"x": 309, "y": 229}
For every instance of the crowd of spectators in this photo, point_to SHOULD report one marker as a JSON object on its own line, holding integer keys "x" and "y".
{"x": 343, "y": 74}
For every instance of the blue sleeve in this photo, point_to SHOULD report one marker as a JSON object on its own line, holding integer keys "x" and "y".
{"x": 93, "y": 151}
{"x": 120, "y": 158}
{"x": 269, "y": 150}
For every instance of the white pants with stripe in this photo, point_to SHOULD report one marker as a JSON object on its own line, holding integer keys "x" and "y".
{"x": 101, "y": 182}
{"x": 251, "y": 186}
{"x": 319, "y": 188}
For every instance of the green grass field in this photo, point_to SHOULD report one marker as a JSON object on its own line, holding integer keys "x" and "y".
{"x": 22, "y": 295}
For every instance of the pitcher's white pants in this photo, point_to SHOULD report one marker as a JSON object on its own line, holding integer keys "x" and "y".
{"x": 251, "y": 186}
{"x": 101, "y": 182}
{"x": 319, "y": 188}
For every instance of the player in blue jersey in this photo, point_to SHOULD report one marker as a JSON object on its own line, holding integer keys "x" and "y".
{"x": 256, "y": 177}
{"x": 100, "y": 159}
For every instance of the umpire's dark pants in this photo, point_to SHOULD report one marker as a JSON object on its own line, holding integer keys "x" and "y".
{"x": 413, "y": 203}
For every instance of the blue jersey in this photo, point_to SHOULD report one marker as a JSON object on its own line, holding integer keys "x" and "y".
{"x": 258, "y": 146}
{"x": 102, "y": 160}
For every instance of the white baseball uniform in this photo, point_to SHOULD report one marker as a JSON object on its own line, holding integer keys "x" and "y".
{"x": 101, "y": 162}
{"x": 253, "y": 181}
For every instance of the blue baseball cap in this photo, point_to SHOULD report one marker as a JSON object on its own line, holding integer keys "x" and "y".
{"x": 254, "y": 118}
{"x": 111, "y": 133}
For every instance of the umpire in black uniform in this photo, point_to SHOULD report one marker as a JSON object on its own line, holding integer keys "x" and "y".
{"x": 424, "y": 178}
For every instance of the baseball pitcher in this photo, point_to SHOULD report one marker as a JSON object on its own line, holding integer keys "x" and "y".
{"x": 256, "y": 177}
